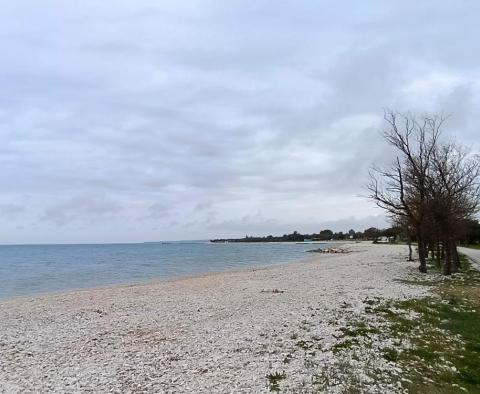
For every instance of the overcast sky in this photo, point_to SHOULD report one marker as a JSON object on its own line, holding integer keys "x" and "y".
{"x": 152, "y": 120}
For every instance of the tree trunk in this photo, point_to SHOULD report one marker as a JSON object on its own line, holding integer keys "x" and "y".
{"x": 456, "y": 260}
{"x": 447, "y": 266}
{"x": 438, "y": 257}
{"x": 421, "y": 254}
{"x": 410, "y": 250}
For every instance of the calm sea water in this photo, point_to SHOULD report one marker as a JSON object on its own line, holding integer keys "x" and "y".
{"x": 33, "y": 269}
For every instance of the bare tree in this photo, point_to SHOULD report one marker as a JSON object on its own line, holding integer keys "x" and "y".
{"x": 454, "y": 197}
{"x": 432, "y": 189}
{"x": 402, "y": 189}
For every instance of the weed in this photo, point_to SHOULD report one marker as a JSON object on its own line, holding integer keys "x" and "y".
{"x": 305, "y": 345}
{"x": 390, "y": 354}
{"x": 274, "y": 380}
{"x": 347, "y": 344}
{"x": 288, "y": 358}
{"x": 359, "y": 329}
{"x": 341, "y": 372}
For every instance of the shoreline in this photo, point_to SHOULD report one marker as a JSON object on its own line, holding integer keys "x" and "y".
{"x": 158, "y": 280}
{"x": 206, "y": 334}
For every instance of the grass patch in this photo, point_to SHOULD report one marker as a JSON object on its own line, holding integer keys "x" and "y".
{"x": 444, "y": 333}
{"x": 472, "y": 246}
{"x": 346, "y": 344}
{"x": 352, "y": 335}
{"x": 341, "y": 372}
{"x": 390, "y": 354}
{"x": 419, "y": 282}
{"x": 305, "y": 345}
{"x": 359, "y": 329}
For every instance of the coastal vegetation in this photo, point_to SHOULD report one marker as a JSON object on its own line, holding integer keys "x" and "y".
{"x": 371, "y": 233}
{"x": 431, "y": 191}
{"x": 433, "y": 340}
{"x": 470, "y": 235}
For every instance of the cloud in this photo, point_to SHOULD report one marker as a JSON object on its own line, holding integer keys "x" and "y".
{"x": 11, "y": 211}
{"x": 83, "y": 208}
{"x": 195, "y": 116}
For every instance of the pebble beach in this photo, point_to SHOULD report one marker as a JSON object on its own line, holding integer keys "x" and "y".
{"x": 232, "y": 332}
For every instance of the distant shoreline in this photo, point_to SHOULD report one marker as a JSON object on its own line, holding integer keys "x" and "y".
{"x": 243, "y": 241}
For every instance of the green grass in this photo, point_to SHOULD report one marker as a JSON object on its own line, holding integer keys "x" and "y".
{"x": 305, "y": 345}
{"x": 358, "y": 329}
{"x": 390, "y": 354}
{"x": 472, "y": 246}
{"x": 346, "y": 344}
{"x": 420, "y": 282}
{"x": 445, "y": 336}
{"x": 353, "y": 334}
{"x": 435, "y": 341}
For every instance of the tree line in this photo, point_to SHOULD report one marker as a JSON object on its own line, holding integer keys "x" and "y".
{"x": 371, "y": 233}
{"x": 431, "y": 191}
{"x": 470, "y": 235}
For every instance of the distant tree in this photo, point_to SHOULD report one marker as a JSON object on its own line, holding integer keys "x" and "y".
{"x": 325, "y": 235}
{"x": 372, "y": 233}
{"x": 470, "y": 231}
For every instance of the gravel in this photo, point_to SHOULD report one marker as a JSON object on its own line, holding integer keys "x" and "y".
{"x": 216, "y": 333}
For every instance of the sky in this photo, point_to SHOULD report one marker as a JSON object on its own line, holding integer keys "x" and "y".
{"x": 132, "y": 121}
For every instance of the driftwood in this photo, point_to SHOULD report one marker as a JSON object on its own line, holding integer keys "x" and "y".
{"x": 275, "y": 291}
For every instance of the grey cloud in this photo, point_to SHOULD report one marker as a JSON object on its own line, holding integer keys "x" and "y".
{"x": 11, "y": 211}
{"x": 159, "y": 211}
{"x": 84, "y": 208}
{"x": 200, "y": 113}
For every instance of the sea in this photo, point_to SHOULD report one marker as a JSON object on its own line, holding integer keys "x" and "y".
{"x": 27, "y": 270}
